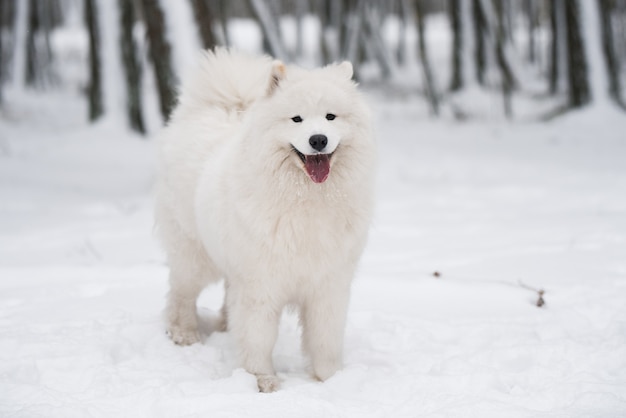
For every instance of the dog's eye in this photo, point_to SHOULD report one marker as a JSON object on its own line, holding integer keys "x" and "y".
{"x": 330, "y": 116}
{"x": 296, "y": 119}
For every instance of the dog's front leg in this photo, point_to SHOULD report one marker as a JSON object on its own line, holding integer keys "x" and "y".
{"x": 323, "y": 321}
{"x": 254, "y": 325}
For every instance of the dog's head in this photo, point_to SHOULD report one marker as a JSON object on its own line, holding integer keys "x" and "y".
{"x": 314, "y": 116}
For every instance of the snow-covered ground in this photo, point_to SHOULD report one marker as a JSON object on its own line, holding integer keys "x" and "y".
{"x": 484, "y": 203}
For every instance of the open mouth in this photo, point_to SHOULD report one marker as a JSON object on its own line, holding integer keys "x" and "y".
{"x": 317, "y": 166}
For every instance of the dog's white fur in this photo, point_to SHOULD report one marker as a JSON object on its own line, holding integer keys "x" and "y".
{"x": 233, "y": 201}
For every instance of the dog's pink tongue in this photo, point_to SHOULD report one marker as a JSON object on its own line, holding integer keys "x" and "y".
{"x": 318, "y": 167}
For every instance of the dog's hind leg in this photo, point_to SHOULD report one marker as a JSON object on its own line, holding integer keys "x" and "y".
{"x": 190, "y": 272}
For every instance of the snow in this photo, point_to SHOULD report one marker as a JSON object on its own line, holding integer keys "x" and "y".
{"x": 485, "y": 204}
{"x": 493, "y": 207}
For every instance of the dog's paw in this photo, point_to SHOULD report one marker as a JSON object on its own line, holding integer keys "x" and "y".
{"x": 182, "y": 336}
{"x": 325, "y": 370}
{"x": 268, "y": 383}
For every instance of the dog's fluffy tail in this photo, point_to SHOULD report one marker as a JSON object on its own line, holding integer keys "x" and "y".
{"x": 230, "y": 80}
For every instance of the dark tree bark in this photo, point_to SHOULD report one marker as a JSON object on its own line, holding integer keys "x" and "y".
{"x": 204, "y": 21}
{"x": 223, "y": 11}
{"x": 429, "y": 82}
{"x": 456, "y": 23}
{"x": 7, "y": 17}
{"x": 323, "y": 12}
{"x": 2, "y": 48}
{"x": 480, "y": 29}
{"x": 96, "y": 108}
{"x": 32, "y": 67}
{"x": 404, "y": 22}
{"x": 353, "y": 24}
{"x": 371, "y": 38}
{"x": 131, "y": 65}
{"x": 351, "y": 27}
{"x": 529, "y": 7}
{"x": 268, "y": 21}
{"x": 337, "y": 17}
{"x": 330, "y": 14}
{"x": 300, "y": 9}
{"x": 608, "y": 45}
{"x": 506, "y": 75}
{"x": 553, "y": 77}
{"x": 579, "y": 90}
{"x": 160, "y": 55}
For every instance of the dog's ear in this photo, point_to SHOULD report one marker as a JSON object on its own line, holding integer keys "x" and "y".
{"x": 277, "y": 74}
{"x": 345, "y": 68}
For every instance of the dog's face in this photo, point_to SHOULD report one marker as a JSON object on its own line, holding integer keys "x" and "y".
{"x": 313, "y": 116}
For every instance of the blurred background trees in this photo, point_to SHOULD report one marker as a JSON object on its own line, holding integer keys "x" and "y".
{"x": 566, "y": 52}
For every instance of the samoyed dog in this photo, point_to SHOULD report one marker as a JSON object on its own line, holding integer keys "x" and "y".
{"x": 266, "y": 178}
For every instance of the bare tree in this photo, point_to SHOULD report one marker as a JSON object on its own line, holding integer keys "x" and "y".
{"x": 96, "y": 108}
{"x": 579, "y": 91}
{"x": 404, "y": 20}
{"x": 429, "y": 83}
{"x": 506, "y": 75}
{"x": 372, "y": 40}
{"x": 222, "y": 9}
{"x": 555, "y": 41}
{"x": 204, "y": 21}
{"x": 268, "y": 21}
{"x": 530, "y": 8}
{"x": 353, "y": 23}
{"x": 300, "y": 11}
{"x": 131, "y": 65}
{"x": 480, "y": 32}
{"x": 608, "y": 45}
{"x": 456, "y": 23}
{"x": 42, "y": 17}
{"x": 160, "y": 55}
{"x": 7, "y": 17}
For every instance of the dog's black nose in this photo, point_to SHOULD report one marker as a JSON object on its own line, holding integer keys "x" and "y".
{"x": 318, "y": 142}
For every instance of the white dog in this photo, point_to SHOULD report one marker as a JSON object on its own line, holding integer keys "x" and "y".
{"x": 266, "y": 180}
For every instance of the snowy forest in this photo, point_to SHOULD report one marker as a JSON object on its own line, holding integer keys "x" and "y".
{"x": 493, "y": 282}
{"x": 545, "y": 48}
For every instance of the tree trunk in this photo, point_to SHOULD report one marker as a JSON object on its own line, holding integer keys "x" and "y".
{"x": 579, "y": 91}
{"x": 404, "y": 22}
{"x": 456, "y": 23}
{"x": 429, "y": 82}
{"x": 331, "y": 15}
{"x": 300, "y": 13}
{"x": 506, "y": 76}
{"x": 480, "y": 27}
{"x": 96, "y": 108}
{"x": 131, "y": 65}
{"x": 612, "y": 66}
{"x": 221, "y": 8}
{"x": 373, "y": 40}
{"x": 269, "y": 26}
{"x": 7, "y": 16}
{"x": 32, "y": 67}
{"x": 323, "y": 14}
{"x": 204, "y": 21}
{"x": 160, "y": 55}
{"x": 353, "y": 23}
{"x": 555, "y": 6}
{"x": 529, "y": 7}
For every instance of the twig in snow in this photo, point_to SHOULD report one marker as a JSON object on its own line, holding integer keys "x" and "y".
{"x": 540, "y": 301}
